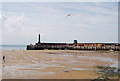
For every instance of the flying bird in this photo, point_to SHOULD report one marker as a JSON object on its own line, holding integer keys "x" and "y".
{"x": 69, "y": 15}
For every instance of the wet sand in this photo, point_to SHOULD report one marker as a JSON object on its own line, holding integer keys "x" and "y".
{"x": 55, "y": 64}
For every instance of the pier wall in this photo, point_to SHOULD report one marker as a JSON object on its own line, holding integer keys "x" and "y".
{"x": 58, "y": 47}
{"x": 73, "y": 46}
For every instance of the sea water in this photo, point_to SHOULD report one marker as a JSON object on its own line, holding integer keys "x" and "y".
{"x": 13, "y": 47}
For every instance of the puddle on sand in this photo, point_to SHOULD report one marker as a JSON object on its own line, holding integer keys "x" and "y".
{"x": 13, "y": 71}
{"x": 114, "y": 61}
{"x": 66, "y": 55}
{"x": 79, "y": 69}
{"x": 104, "y": 59}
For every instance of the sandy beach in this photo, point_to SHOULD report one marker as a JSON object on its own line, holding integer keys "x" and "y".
{"x": 55, "y": 64}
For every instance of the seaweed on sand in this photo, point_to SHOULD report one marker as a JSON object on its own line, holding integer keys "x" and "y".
{"x": 107, "y": 72}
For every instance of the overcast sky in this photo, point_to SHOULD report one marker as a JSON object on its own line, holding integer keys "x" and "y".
{"x": 88, "y": 22}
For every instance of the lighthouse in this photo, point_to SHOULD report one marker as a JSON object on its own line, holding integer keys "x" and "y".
{"x": 39, "y": 38}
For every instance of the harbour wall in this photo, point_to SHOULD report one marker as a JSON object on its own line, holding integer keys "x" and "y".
{"x": 57, "y": 47}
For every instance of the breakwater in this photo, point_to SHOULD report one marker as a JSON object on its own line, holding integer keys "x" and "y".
{"x": 57, "y": 47}
{"x": 74, "y": 46}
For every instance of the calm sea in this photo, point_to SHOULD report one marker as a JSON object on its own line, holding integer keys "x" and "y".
{"x": 12, "y": 47}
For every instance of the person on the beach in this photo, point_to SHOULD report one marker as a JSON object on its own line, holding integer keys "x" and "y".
{"x": 4, "y": 58}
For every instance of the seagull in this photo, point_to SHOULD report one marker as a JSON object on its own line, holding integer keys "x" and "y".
{"x": 72, "y": 15}
{"x": 69, "y": 15}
